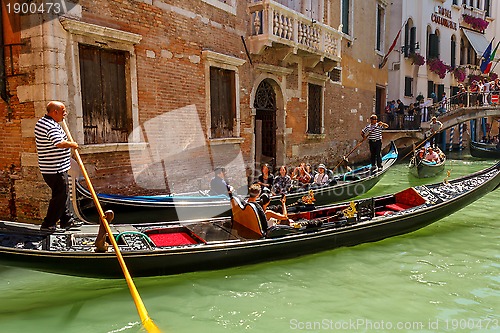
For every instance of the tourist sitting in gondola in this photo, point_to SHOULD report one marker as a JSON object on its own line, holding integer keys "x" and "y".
{"x": 432, "y": 156}
{"x": 321, "y": 177}
{"x": 273, "y": 217}
{"x": 266, "y": 178}
{"x": 218, "y": 184}
{"x": 282, "y": 182}
{"x": 301, "y": 177}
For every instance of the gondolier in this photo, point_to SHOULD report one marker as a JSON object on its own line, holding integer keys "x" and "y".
{"x": 435, "y": 127}
{"x": 373, "y": 132}
{"x": 54, "y": 155}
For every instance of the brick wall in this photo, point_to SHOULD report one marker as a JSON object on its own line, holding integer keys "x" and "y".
{"x": 171, "y": 79}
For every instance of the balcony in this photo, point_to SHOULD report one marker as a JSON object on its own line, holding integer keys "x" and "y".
{"x": 474, "y": 12}
{"x": 289, "y": 32}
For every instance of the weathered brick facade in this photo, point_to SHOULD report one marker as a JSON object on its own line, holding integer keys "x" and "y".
{"x": 170, "y": 46}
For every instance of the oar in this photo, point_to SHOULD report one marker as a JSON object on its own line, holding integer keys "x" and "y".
{"x": 147, "y": 322}
{"x": 352, "y": 150}
{"x": 420, "y": 144}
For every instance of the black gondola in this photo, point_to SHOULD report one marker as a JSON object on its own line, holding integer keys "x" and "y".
{"x": 177, "y": 247}
{"x": 484, "y": 150}
{"x": 421, "y": 168}
{"x": 133, "y": 209}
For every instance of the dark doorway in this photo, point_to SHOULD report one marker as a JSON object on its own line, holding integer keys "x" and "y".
{"x": 265, "y": 124}
{"x": 379, "y": 100}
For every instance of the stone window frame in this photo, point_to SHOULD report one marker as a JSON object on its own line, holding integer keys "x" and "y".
{"x": 226, "y": 5}
{"x": 320, "y": 80}
{"x": 381, "y": 5}
{"x": 219, "y": 60}
{"x": 112, "y": 39}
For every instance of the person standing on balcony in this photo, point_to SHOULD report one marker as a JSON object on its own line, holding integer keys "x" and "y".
{"x": 373, "y": 132}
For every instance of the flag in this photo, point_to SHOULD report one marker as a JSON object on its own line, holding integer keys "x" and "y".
{"x": 492, "y": 57}
{"x": 384, "y": 61}
{"x": 486, "y": 57}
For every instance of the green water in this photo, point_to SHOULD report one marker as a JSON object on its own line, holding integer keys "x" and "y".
{"x": 443, "y": 278}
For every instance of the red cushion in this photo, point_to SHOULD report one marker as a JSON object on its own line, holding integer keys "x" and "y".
{"x": 172, "y": 239}
{"x": 397, "y": 207}
{"x": 384, "y": 212}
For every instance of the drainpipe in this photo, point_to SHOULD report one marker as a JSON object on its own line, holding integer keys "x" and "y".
{"x": 3, "y": 77}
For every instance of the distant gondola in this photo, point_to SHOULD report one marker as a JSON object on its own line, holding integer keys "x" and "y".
{"x": 484, "y": 150}
{"x": 421, "y": 168}
{"x": 133, "y": 209}
{"x": 208, "y": 244}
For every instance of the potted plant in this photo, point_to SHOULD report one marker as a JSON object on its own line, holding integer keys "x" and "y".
{"x": 438, "y": 67}
{"x": 476, "y": 23}
{"x": 416, "y": 59}
{"x": 460, "y": 74}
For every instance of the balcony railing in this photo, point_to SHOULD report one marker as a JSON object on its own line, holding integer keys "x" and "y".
{"x": 474, "y": 12}
{"x": 275, "y": 23}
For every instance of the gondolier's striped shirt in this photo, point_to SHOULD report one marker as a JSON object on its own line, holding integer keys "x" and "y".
{"x": 374, "y": 132}
{"x": 51, "y": 159}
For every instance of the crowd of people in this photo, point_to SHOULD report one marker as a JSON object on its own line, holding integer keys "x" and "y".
{"x": 480, "y": 92}
{"x": 406, "y": 117}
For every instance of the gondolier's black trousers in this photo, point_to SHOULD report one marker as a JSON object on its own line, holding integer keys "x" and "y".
{"x": 375, "y": 151}
{"x": 60, "y": 201}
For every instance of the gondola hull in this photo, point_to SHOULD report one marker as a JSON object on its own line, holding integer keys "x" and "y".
{"x": 421, "y": 168}
{"x": 219, "y": 247}
{"x": 483, "y": 150}
{"x": 182, "y": 207}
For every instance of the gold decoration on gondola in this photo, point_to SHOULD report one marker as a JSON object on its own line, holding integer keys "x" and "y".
{"x": 350, "y": 211}
{"x": 308, "y": 199}
{"x": 448, "y": 174}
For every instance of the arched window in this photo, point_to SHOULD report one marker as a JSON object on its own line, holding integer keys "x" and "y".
{"x": 410, "y": 38}
{"x": 433, "y": 45}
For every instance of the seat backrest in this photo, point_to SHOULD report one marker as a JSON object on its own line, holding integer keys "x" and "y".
{"x": 365, "y": 208}
{"x": 247, "y": 219}
{"x": 409, "y": 197}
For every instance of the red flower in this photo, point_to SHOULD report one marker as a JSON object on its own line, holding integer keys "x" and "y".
{"x": 459, "y": 74}
{"x": 416, "y": 59}
{"x": 438, "y": 67}
{"x": 476, "y": 23}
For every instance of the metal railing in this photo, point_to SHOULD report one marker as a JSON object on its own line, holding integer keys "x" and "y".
{"x": 424, "y": 112}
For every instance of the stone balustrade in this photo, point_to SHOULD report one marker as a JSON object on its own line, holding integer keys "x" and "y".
{"x": 275, "y": 23}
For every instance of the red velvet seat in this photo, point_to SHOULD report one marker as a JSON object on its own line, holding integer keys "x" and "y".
{"x": 398, "y": 207}
{"x": 384, "y": 212}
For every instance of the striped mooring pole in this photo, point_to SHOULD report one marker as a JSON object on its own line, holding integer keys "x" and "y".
{"x": 461, "y": 137}
{"x": 452, "y": 133}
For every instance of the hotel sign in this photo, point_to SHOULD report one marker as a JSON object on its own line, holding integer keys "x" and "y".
{"x": 443, "y": 17}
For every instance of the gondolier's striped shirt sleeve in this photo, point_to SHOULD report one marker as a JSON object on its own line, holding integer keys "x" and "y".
{"x": 51, "y": 160}
{"x": 374, "y": 132}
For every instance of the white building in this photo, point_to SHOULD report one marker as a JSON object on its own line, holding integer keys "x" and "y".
{"x": 440, "y": 31}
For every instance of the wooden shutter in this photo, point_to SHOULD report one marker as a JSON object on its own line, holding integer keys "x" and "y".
{"x": 103, "y": 84}
{"x": 413, "y": 39}
{"x": 433, "y": 46}
{"x": 314, "y": 109}
{"x": 222, "y": 102}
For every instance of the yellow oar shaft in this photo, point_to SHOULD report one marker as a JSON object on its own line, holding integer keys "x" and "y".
{"x": 420, "y": 144}
{"x": 352, "y": 150}
{"x": 147, "y": 322}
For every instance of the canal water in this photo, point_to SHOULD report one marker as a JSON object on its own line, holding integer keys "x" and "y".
{"x": 443, "y": 278}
